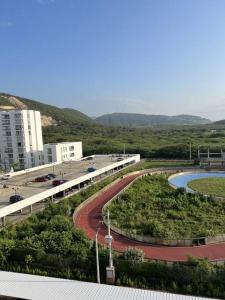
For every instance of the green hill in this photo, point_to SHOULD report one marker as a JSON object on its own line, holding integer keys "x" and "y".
{"x": 141, "y": 120}
{"x": 220, "y": 122}
{"x": 60, "y": 115}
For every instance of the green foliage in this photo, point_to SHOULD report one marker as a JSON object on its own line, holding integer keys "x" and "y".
{"x": 47, "y": 244}
{"x": 213, "y": 186}
{"x": 134, "y": 255}
{"x": 151, "y": 207}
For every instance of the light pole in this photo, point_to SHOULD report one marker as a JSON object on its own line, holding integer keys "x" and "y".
{"x": 110, "y": 270}
{"x": 190, "y": 152}
{"x": 15, "y": 190}
{"x": 97, "y": 256}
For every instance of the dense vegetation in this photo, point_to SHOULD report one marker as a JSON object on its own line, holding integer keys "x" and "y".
{"x": 214, "y": 186}
{"x": 168, "y": 142}
{"x": 61, "y": 115}
{"x": 141, "y": 120}
{"x": 48, "y": 244}
{"x": 151, "y": 207}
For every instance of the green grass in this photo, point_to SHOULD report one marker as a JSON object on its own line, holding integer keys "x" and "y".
{"x": 151, "y": 207}
{"x": 213, "y": 186}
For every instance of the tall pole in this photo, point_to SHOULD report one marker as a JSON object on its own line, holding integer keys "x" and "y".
{"x": 190, "y": 152}
{"x": 124, "y": 149}
{"x": 97, "y": 257}
{"x": 110, "y": 270}
{"x": 110, "y": 243}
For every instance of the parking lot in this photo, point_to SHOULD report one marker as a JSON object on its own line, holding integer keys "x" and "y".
{"x": 26, "y": 186}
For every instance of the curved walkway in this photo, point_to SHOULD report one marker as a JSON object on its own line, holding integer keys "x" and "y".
{"x": 89, "y": 219}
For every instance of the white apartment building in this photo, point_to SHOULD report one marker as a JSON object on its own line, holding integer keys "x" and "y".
{"x": 59, "y": 152}
{"x": 20, "y": 139}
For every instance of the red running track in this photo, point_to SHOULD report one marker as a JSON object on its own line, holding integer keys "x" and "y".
{"x": 89, "y": 219}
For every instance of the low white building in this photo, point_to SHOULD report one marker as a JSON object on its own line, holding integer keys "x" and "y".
{"x": 59, "y": 152}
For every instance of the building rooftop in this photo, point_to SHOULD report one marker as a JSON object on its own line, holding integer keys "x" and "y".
{"x": 62, "y": 143}
{"x": 47, "y": 288}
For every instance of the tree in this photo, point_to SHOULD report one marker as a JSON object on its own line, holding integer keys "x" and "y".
{"x": 134, "y": 255}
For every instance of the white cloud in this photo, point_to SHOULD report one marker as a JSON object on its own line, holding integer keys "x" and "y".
{"x": 5, "y": 24}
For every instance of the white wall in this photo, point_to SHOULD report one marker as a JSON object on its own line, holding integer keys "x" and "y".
{"x": 63, "y": 152}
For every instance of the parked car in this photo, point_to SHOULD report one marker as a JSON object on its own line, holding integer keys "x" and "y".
{"x": 41, "y": 179}
{"x": 89, "y": 158}
{"x": 57, "y": 182}
{"x": 15, "y": 198}
{"x": 51, "y": 175}
{"x": 5, "y": 176}
{"x": 91, "y": 169}
{"x": 119, "y": 158}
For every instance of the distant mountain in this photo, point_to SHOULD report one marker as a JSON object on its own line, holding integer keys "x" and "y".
{"x": 220, "y": 122}
{"x": 51, "y": 115}
{"x": 141, "y": 120}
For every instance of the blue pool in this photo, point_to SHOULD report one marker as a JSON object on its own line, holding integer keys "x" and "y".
{"x": 181, "y": 180}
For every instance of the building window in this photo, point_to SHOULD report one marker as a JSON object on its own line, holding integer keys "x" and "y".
{"x": 10, "y": 155}
{"x": 71, "y": 148}
{"x": 8, "y": 133}
{"x": 49, "y": 150}
{"x": 19, "y": 144}
{"x": 49, "y": 158}
{"x": 21, "y": 156}
{"x": 72, "y": 154}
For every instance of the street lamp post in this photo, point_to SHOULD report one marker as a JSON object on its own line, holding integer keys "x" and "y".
{"x": 97, "y": 256}
{"x": 110, "y": 270}
{"x": 190, "y": 152}
{"x": 15, "y": 190}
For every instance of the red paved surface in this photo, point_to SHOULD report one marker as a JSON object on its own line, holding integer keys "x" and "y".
{"x": 89, "y": 219}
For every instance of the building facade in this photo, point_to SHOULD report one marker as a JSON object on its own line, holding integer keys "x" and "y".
{"x": 21, "y": 140}
{"x": 60, "y": 152}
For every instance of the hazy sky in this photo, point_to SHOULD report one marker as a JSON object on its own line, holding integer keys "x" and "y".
{"x": 102, "y": 56}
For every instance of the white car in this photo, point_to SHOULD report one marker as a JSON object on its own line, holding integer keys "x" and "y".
{"x": 5, "y": 176}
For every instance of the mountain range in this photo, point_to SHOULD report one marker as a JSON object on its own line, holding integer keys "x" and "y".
{"x": 141, "y": 120}
{"x": 52, "y": 115}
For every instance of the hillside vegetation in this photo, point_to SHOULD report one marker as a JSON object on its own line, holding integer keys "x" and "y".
{"x": 60, "y": 115}
{"x": 167, "y": 142}
{"x": 151, "y": 207}
{"x": 141, "y": 120}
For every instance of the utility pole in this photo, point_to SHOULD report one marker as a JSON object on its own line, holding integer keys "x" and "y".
{"x": 190, "y": 152}
{"x": 110, "y": 270}
{"x": 97, "y": 256}
{"x": 124, "y": 149}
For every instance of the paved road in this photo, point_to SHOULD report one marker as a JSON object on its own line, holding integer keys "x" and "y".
{"x": 89, "y": 219}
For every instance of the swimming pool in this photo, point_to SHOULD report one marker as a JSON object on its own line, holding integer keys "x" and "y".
{"x": 181, "y": 180}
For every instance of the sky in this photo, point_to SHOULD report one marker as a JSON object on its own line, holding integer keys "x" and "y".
{"x": 105, "y": 56}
